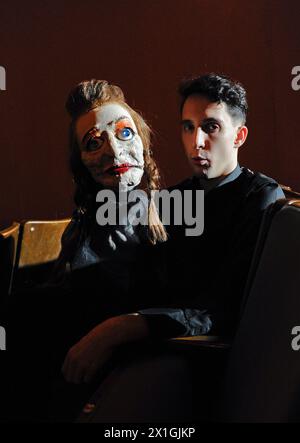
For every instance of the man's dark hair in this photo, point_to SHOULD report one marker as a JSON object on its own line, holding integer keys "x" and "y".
{"x": 217, "y": 88}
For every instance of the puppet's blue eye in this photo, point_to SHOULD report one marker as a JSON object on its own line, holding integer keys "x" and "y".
{"x": 125, "y": 134}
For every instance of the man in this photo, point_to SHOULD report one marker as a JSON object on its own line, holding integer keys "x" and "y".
{"x": 213, "y": 268}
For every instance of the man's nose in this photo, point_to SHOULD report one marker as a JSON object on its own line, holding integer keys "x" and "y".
{"x": 200, "y": 139}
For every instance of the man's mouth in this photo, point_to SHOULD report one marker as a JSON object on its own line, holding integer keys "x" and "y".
{"x": 119, "y": 169}
{"x": 200, "y": 161}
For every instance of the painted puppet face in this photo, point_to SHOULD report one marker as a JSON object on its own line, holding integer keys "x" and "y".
{"x": 111, "y": 148}
{"x": 210, "y": 136}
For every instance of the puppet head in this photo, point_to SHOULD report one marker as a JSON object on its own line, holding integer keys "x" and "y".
{"x": 109, "y": 146}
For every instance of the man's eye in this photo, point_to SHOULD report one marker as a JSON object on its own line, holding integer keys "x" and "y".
{"x": 125, "y": 134}
{"x": 188, "y": 127}
{"x": 94, "y": 144}
{"x": 210, "y": 127}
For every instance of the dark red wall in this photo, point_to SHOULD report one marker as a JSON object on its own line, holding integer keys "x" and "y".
{"x": 146, "y": 47}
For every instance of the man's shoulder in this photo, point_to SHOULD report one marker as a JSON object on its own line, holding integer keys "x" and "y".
{"x": 256, "y": 181}
{"x": 257, "y": 177}
{"x": 258, "y": 189}
{"x": 249, "y": 178}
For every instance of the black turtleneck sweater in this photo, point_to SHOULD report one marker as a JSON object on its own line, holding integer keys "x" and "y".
{"x": 207, "y": 274}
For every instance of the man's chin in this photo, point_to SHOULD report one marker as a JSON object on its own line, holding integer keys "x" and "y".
{"x": 207, "y": 173}
{"x": 200, "y": 172}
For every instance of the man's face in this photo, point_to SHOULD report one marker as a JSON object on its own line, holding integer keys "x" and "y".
{"x": 111, "y": 148}
{"x": 210, "y": 137}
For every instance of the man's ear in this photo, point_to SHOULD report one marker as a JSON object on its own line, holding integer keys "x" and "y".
{"x": 241, "y": 136}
